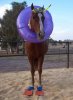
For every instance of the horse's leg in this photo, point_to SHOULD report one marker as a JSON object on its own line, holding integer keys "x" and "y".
{"x": 32, "y": 70}
{"x": 32, "y": 74}
{"x": 40, "y": 63}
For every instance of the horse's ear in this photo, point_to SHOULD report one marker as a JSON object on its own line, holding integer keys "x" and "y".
{"x": 32, "y": 7}
{"x": 43, "y": 7}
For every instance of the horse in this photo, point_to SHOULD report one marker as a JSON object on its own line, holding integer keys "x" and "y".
{"x": 36, "y": 51}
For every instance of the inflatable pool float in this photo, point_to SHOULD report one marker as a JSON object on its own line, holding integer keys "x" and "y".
{"x": 23, "y": 28}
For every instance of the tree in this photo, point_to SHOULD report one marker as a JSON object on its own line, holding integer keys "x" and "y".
{"x": 8, "y": 24}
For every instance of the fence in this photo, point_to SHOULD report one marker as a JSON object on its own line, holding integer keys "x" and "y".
{"x": 57, "y": 52}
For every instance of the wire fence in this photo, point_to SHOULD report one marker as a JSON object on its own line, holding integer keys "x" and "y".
{"x": 60, "y": 54}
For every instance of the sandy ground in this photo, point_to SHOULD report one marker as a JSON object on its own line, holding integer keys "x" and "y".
{"x": 57, "y": 84}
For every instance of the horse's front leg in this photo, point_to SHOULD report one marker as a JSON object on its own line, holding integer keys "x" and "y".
{"x": 32, "y": 70}
{"x": 32, "y": 74}
{"x": 40, "y": 63}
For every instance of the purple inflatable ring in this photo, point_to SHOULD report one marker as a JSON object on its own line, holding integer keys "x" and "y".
{"x": 26, "y": 33}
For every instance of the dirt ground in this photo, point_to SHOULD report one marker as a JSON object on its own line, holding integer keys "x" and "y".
{"x": 57, "y": 84}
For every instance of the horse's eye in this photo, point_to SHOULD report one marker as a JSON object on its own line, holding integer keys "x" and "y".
{"x": 33, "y": 17}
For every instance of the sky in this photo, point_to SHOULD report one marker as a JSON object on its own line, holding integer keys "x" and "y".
{"x": 61, "y": 11}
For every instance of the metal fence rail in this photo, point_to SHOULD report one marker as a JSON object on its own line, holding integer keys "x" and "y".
{"x": 54, "y": 48}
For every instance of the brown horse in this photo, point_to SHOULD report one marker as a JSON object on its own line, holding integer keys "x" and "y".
{"x": 36, "y": 51}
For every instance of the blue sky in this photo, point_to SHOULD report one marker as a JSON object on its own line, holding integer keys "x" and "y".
{"x": 61, "y": 11}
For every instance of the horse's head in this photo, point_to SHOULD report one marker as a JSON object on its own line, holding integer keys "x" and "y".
{"x": 36, "y": 22}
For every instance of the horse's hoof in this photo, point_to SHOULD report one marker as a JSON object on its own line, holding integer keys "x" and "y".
{"x": 39, "y": 91}
{"x": 29, "y": 91}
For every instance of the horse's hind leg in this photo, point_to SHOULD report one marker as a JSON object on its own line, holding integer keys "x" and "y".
{"x": 40, "y": 63}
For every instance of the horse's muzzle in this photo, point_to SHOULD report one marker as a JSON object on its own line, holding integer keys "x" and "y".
{"x": 41, "y": 35}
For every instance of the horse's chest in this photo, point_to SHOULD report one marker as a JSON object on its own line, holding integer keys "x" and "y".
{"x": 34, "y": 50}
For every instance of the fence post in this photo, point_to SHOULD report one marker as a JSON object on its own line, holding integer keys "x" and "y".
{"x": 68, "y": 55}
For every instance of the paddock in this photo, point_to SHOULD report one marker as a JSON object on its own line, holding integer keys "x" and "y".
{"x": 57, "y": 80}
